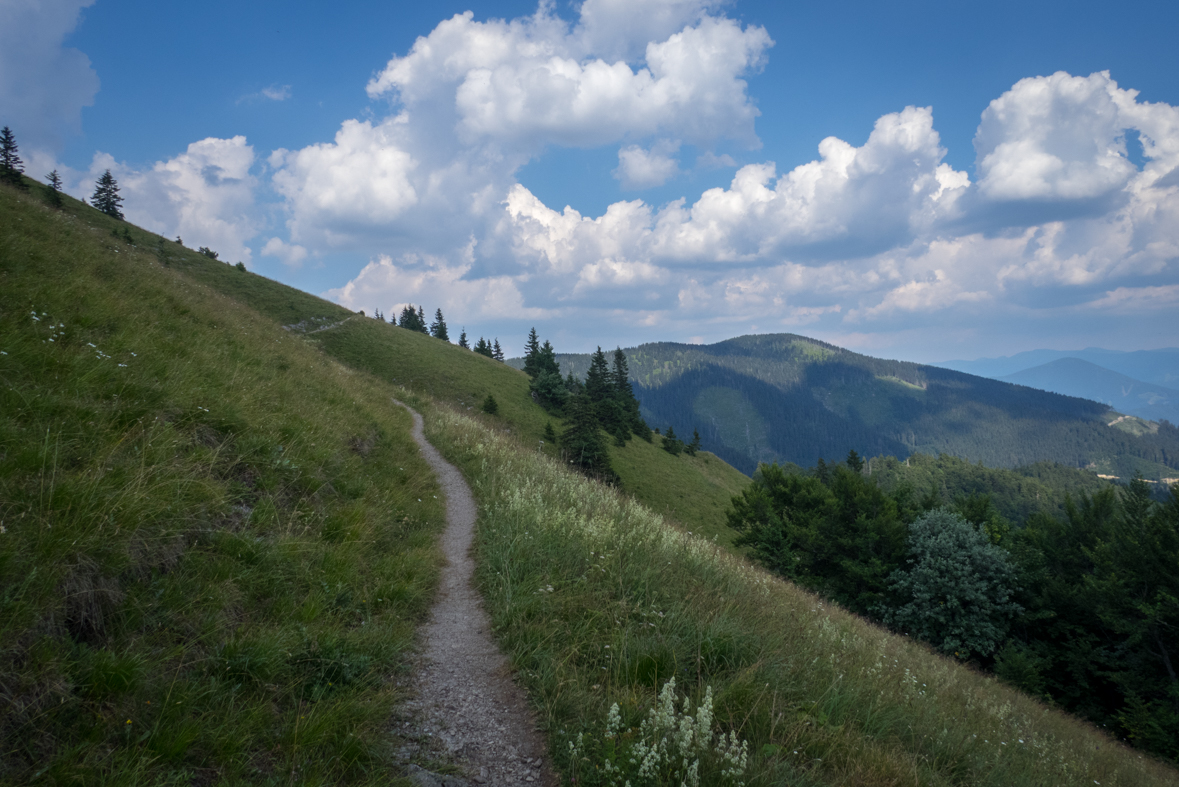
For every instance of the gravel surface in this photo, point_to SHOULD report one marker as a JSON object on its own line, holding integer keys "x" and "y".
{"x": 466, "y": 702}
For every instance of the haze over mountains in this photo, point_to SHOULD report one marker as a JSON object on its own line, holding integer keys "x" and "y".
{"x": 1143, "y": 383}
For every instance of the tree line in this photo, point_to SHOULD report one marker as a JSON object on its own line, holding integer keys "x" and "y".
{"x": 1079, "y": 605}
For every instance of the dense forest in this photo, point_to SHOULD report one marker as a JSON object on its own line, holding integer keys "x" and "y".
{"x": 787, "y": 398}
{"x": 1068, "y": 593}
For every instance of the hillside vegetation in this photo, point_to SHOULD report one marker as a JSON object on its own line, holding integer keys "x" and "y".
{"x": 217, "y": 540}
{"x": 782, "y": 397}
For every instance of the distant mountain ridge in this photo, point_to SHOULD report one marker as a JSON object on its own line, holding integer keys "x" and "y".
{"x": 1158, "y": 367}
{"x": 1077, "y": 377}
{"x": 784, "y": 397}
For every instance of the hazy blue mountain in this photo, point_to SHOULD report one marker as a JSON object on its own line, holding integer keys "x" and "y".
{"x": 782, "y": 397}
{"x": 1077, "y": 377}
{"x": 1158, "y": 367}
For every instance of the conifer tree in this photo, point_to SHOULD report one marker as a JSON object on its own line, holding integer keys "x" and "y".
{"x": 11, "y": 167}
{"x": 531, "y": 354}
{"x": 691, "y": 448}
{"x": 463, "y": 339}
{"x": 599, "y": 385}
{"x": 438, "y": 327}
{"x": 54, "y": 194}
{"x": 410, "y": 320}
{"x": 497, "y": 352}
{"x": 625, "y": 394}
{"x": 423, "y": 326}
{"x": 106, "y": 196}
{"x": 550, "y": 435}
{"x": 672, "y": 444}
{"x": 483, "y": 347}
{"x": 581, "y": 442}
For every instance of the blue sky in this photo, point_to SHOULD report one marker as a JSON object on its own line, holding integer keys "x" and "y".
{"x": 915, "y": 180}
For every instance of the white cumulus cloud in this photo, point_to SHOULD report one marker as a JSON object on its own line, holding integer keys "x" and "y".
{"x": 43, "y": 84}
{"x": 205, "y": 195}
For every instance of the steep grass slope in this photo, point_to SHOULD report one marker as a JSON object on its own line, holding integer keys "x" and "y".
{"x": 691, "y": 490}
{"x": 599, "y": 603}
{"x": 215, "y": 542}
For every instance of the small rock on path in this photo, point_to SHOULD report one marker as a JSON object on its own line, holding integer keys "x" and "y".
{"x": 465, "y": 697}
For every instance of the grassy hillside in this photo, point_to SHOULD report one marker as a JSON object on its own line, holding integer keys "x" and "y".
{"x": 215, "y": 542}
{"x": 782, "y": 397}
{"x": 691, "y": 490}
{"x": 598, "y": 602}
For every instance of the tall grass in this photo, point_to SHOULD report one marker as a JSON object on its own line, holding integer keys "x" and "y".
{"x": 215, "y": 542}
{"x": 598, "y": 601}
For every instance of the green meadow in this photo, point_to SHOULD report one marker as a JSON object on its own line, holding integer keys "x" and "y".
{"x": 217, "y": 542}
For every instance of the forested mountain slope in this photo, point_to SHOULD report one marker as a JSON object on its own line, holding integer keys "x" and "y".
{"x": 783, "y": 397}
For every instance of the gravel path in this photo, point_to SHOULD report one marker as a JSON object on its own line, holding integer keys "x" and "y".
{"x": 465, "y": 697}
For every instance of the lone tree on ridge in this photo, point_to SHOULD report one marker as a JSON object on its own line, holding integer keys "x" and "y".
{"x": 106, "y": 196}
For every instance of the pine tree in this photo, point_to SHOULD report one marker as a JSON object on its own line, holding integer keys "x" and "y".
{"x": 490, "y": 406}
{"x": 550, "y": 435}
{"x": 53, "y": 196}
{"x": 484, "y": 348}
{"x": 463, "y": 340}
{"x": 438, "y": 327}
{"x": 106, "y": 196}
{"x": 423, "y": 326}
{"x": 497, "y": 352}
{"x": 691, "y": 448}
{"x": 531, "y": 354}
{"x": 11, "y": 167}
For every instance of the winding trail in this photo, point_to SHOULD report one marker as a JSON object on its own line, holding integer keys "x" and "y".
{"x": 465, "y": 697}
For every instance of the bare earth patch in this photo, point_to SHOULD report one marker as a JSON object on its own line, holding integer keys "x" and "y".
{"x": 466, "y": 701}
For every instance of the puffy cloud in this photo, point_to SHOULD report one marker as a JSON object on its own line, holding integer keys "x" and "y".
{"x": 532, "y": 82}
{"x": 43, "y": 85}
{"x": 362, "y": 179}
{"x": 291, "y": 255}
{"x": 643, "y": 169}
{"x": 205, "y": 195}
{"x": 387, "y": 285}
{"x": 852, "y": 202}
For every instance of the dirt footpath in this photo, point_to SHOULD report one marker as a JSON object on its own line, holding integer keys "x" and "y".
{"x": 466, "y": 700}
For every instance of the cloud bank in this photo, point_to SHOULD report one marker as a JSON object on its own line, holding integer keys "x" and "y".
{"x": 1070, "y": 216}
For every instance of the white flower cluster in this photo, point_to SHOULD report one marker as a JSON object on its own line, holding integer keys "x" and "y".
{"x": 672, "y": 744}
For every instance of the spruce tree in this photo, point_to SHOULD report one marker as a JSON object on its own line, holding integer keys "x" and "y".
{"x": 598, "y": 383}
{"x": 531, "y": 354}
{"x": 497, "y": 352}
{"x": 546, "y": 360}
{"x": 463, "y": 340}
{"x": 672, "y": 444}
{"x": 409, "y": 319}
{"x": 53, "y": 196}
{"x": 423, "y": 326}
{"x": 106, "y": 196}
{"x": 691, "y": 448}
{"x": 11, "y": 167}
{"x": 625, "y": 394}
{"x": 483, "y": 347}
{"x": 438, "y": 327}
{"x": 581, "y": 442}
